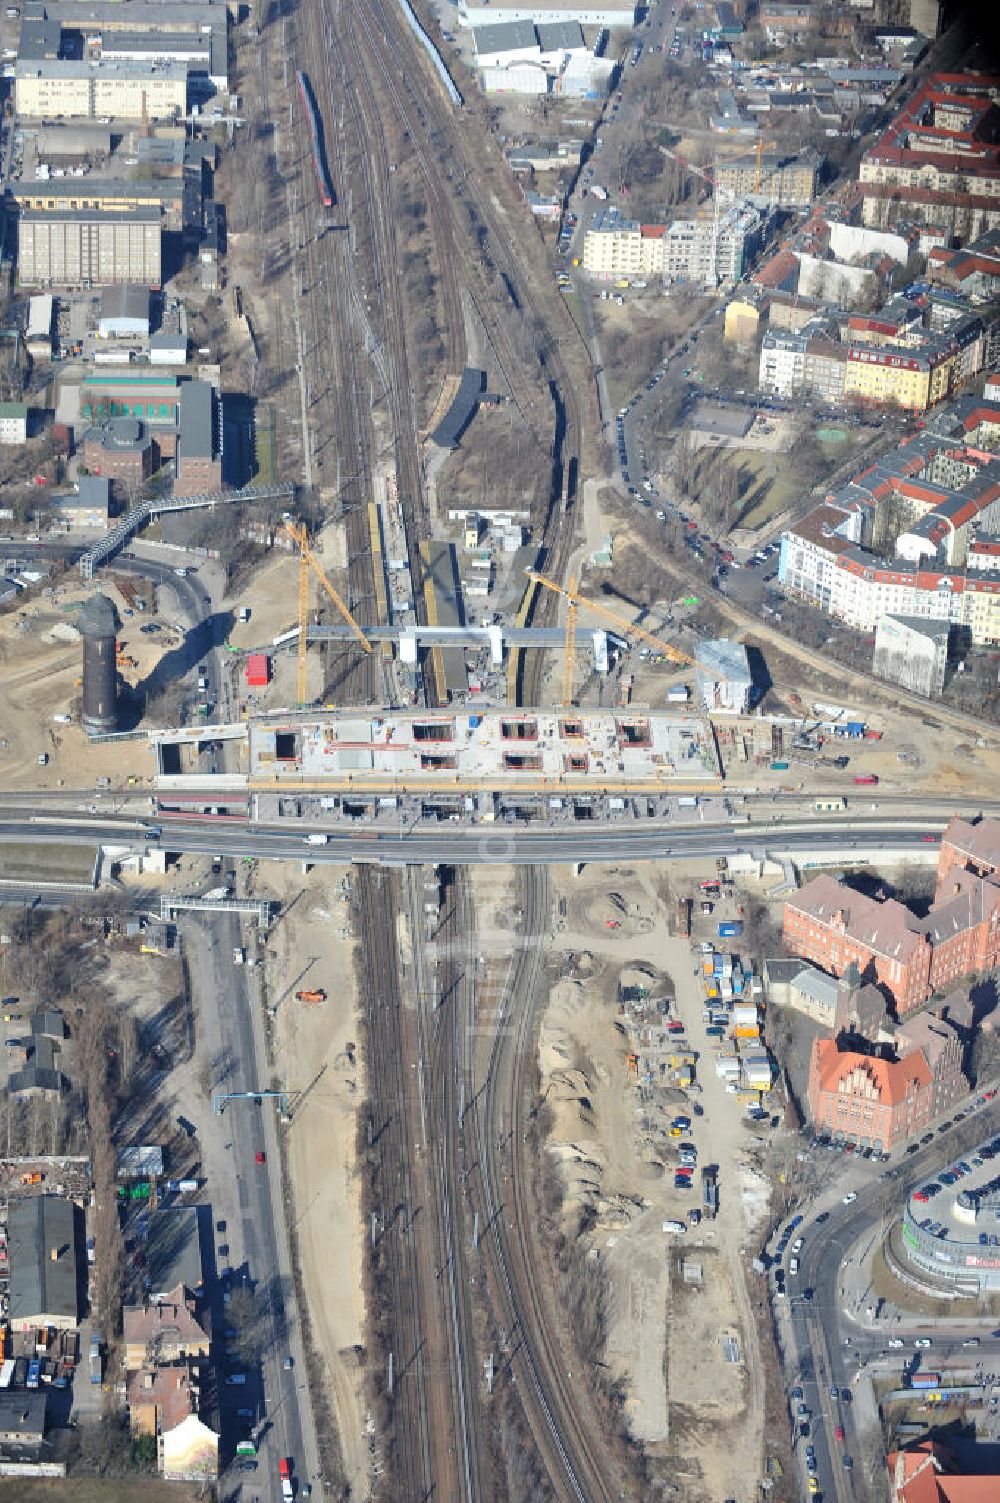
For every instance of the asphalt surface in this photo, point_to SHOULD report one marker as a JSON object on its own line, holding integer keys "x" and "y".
{"x": 271, "y": 1391}
{"x": 456, "y": 844}
{"x": 823, "y": 1329}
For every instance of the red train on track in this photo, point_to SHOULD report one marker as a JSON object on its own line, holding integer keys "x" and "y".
{"x": 316, "y": 134}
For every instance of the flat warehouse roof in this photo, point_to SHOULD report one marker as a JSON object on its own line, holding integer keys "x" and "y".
{"x": 39, "y": 1227}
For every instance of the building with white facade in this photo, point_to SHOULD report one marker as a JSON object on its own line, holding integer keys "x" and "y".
{"x": 13, "y": 423}
{"x": 984, "y": 555}
{"x": 851, "y": 241}
{"x": 519, "y": 57}
{"x": 618, "y": 247}
{"x": 913, "y": 653}
{"x": 898, "y": 539}
{"x": 713, "y": 247}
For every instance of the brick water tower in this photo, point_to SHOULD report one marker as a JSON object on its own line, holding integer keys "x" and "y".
{"x": 99, "y": 625}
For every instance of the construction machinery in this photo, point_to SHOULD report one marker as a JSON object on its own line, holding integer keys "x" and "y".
{"x": 621, "y": 624}
{"x": 308, "y": 560}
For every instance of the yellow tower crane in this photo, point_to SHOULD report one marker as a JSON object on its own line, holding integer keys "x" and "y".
{"x": 308, "y": 560}
{"x": 626, "y": 627}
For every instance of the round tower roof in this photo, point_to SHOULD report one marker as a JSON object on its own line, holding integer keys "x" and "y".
{"x": 98, "y": 618}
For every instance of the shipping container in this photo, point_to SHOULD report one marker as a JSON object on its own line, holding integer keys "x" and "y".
{"x": 866, "y": 780}
{"x": 258, "y": 670}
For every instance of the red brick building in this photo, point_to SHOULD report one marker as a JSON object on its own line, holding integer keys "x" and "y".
{"x": 911, "y": 958}
{"x": 970, "y": 847}
{"x": 199, "y": 441}
{"x": 835, "y": 927}
{"x": 119, "y": 450}
{"x": 870, "y": 1101}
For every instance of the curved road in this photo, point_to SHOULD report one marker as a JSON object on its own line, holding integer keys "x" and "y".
{"x": 824, "y": 1346}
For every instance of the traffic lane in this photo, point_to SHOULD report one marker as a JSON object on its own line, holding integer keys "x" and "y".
{"x": 810, "y": 1382}
{"x": 551, "y": 846}
{"x": 281, "y": 1429}
{"x": 820, "y": 1263}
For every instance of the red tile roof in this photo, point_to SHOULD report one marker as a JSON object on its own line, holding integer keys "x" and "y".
{"x": 891, "y": 1080}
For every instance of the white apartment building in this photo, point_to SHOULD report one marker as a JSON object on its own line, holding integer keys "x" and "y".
{"x": 624, "y": 249}
{"x": 984, "y": 556}
{"x": 819, "y": 563}
{"x": 782, "y": 364}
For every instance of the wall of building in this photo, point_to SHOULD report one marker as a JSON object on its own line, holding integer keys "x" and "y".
{"x": 909, "y": 658}
{"x": 71, "y": 250}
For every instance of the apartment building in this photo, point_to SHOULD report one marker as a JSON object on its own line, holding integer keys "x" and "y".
{"x": 886, "y": 360}
{"x": 119, "y": 90}
{"x": 13, "y": 422}
{"x": 712, "y": 248}
{"x": 786, "y": 21}
{"x": 857, "y": 588}
{"x": 785, "y": 182}
{"x": 899, "y": 376}
{"x": 624, "y": 248}
{"x": 167, "y": 1327}
{"x": 938, "y": 161}
{"x": 926, "y": 503}
{"x": 88, "y": 248}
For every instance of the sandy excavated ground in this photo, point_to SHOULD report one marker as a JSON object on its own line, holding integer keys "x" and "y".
{"x": 315, "y": 1049}
{"x": 272, "y": 596}
{"x": 41, "y": 661}
{"x": 611, "y": 1147}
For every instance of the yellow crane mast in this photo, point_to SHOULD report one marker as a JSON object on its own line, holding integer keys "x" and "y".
{"x": 308, "y": 560}
{"x": 627, "y": 628}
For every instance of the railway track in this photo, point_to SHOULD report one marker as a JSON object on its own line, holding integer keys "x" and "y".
{"x": 445, "y": 1001}
{"x": 440, "y": 1450}
{"x": 501, "y": 1093}
{"x": 413, "y": 1460}
{"x": 447, "y": 158}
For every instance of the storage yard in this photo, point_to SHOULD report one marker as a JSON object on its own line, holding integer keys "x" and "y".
{"x": 630, "y": 1078}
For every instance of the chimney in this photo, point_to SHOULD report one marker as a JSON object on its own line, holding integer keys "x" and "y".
{"x": 54, "y": 1254}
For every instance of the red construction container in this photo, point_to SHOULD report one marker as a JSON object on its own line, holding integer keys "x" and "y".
{"x": 258, "y": 670}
